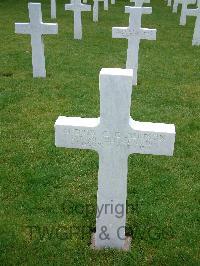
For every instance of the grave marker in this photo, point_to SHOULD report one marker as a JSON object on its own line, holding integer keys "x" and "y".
{"x": 134, "y": 33}
{"x": 114, "y": 135}
{"x": 196, "y": 13}
{"x": 169, "y": 2}
{"x": 185, "y": 4}
{"x": 36, "y": 28}
{"x": 53, "y": 9}
{"x": 105, "y": 4}
{"x": 77, "y": 7}
{"x": 175, "y": 5}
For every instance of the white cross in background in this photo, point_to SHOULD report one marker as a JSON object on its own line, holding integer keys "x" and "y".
{"x": 184, "y": 9}
{"x": 175, "y": 5}
{"x": 169, "y": 2}
{"x": 196, "y": 13}
{"x": 53, "y": 9}
{"x": 134, "y": 33}
{"x": 77, "y": 7}
{"x": 36, "y": 28}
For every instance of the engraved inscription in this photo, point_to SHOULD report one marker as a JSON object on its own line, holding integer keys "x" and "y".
{"x": 89, "y": 138}
{"x": 127, "y": 33}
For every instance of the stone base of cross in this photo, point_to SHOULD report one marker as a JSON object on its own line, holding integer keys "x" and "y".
{"x": 114, "y": 136}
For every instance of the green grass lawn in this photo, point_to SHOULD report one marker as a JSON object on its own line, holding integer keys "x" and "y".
{"x": 48, "y": 189}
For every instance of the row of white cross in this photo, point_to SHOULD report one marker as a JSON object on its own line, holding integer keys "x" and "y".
{"x": 188, "y": 12}
{"x": 36, "y": 28}
{"x": 114, "y": 135}
{"x": 138, "y": 3}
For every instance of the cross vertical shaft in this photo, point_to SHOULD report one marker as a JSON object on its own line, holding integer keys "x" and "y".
{"x": 113, "y": 158}
{"x": 53, "y": 9}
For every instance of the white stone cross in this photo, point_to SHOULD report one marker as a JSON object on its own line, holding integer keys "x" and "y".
{"x": 105, "y": 4}
{"x": 112, "y": 2}
{"x": 175, "y": 5}
{"x": 134, "y": 33}
{"x": 114, "y": 135}
{"x": 36, "y": 28}
{"x": 196, "y": 13}
{"x": 169, "y": 2}
{"x": 139, "y": 3}
{"x": 185, "y": 4}
{"x": 77, "y": 7}
{"x": 96, "y": 9}
{"x": 53, "y": 9}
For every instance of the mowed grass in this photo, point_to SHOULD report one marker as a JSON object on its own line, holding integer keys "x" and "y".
{"x": 55, "y": 189}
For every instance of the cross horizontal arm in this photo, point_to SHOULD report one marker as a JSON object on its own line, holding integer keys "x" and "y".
{"x": 120, "y": 32}
{"x": 192, "y": 12}
{"x": 140, "y": 1}
{"x": 148, "y": 34}
{"x": 135, "y": 10}
{"x": 69, "y": 7}
{"x": 49, "y": 28}
{"x": 151, "y": 138}
{"x": 76, "y": 132}
{"x": 85, "y": 7}
{"x": 22, "y": 28}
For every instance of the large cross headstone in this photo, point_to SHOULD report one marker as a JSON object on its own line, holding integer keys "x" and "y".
{"x": 53, "y": 9}
{"x": 36, "y": 28}
{"x": 196, "y": 13}
{"x": 184, "y": 9}
{"x": 140, "y": 3}
{"x": 77, "y": 7}
{"x": 175, "y": 5}
{"x": 134, "y": 33}
{"x": 114, "y": 135}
